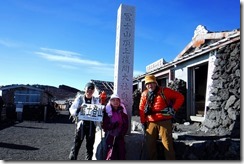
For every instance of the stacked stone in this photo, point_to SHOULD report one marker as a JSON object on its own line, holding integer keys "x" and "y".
{"x": 223, "y": 113}
{"x": 180, "y": 86}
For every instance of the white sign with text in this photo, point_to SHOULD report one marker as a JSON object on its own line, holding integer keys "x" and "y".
{"x": 91, "y": 112}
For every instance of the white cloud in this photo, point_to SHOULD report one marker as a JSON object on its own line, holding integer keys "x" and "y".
{"x": 69, "y": 60}
{"x": 60, "y": 52}
{"x": 74, "y": 61}
{"x": 8, "y": 43}
{"x": 69, "y": 67}
{"x": 68, "y": 57}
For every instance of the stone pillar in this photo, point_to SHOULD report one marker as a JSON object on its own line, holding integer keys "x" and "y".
{"x": 124, "y": 56}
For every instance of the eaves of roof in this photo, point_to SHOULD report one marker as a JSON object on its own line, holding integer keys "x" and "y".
{"x": 230, "y": 38}
{"x": 106, "y": 86}
{"x": 211, "y": 47}
{"x": 199, "y": 40}
{"x": 20, "y": 86}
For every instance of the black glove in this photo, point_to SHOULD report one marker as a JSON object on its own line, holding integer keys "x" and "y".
{"x": 168, "y": 111}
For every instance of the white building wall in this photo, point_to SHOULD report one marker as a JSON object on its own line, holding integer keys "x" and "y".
{"x": 181, "y": 70}
{"x": 181, "y": 73}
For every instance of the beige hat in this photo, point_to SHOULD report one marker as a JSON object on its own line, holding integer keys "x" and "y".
{"x": 150, "y": 79}
{"x": 114, "y": 96}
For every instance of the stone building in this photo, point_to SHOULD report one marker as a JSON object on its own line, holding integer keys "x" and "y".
{"x": 196, "y": 65}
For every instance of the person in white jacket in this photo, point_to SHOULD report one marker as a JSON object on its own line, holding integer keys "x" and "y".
{"x": 84, "y": 129}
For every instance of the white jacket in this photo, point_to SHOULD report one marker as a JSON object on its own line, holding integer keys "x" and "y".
{"x": 79, "y": 100}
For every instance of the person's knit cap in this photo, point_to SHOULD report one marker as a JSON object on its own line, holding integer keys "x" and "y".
{"x": 89, "y": 84}
{"x": 150, "y": 79}
{"x": 114, "y": 96}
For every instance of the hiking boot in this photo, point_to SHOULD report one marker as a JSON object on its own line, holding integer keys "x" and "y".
{"x": 72, "y": 156}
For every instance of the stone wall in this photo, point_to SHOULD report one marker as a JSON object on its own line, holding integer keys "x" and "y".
{"x": 218, "y": 136}
{"x": 223, "y": 113}
{"x": 180, "y": 86}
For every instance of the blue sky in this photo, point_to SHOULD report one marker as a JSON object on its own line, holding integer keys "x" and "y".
{"x": 70, "y": 42}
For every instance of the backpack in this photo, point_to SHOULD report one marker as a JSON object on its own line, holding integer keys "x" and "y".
{"x": 168, "y": 111}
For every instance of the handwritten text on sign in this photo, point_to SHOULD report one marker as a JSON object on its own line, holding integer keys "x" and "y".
{"x": 91, "y": 112}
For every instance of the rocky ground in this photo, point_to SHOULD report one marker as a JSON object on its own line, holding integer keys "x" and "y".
{"x": 51, "y": 141}
{"x": 31, "y": 140}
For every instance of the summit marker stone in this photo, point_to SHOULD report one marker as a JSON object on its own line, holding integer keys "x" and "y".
{"x": 124, "y": 56}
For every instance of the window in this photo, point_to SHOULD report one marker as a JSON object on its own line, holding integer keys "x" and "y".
{"x": 27, "y": 96}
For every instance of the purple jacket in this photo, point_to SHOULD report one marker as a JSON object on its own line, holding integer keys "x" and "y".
{"x": 115, "y": 127}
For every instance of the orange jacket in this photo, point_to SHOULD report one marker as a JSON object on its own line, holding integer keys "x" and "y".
{"x": 103, "y": 98}
{"x": 159, "y": 103}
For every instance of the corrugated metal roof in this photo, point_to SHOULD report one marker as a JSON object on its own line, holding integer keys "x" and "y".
{"x": 106, "y": 86}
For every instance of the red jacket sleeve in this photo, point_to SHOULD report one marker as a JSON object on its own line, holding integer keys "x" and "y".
{"x": 142, "y": 105}
{"x": 175, "y": 97}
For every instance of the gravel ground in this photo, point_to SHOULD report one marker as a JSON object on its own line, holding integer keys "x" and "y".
{"x": 31, "y": 140}
{"x": 40, "y": 141}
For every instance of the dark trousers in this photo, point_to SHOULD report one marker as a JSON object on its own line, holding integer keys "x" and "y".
{"x": 118, "y": 149}
{"x": 86, "y": 130}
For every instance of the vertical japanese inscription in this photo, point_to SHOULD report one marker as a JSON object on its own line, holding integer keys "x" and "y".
{"x": 124, "y": 55}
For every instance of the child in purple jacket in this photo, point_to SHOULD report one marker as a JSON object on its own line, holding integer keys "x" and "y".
{"x": 115, "y": 125}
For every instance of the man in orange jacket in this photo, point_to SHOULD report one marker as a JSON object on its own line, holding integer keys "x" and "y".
{"x": 157, "y": 108}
